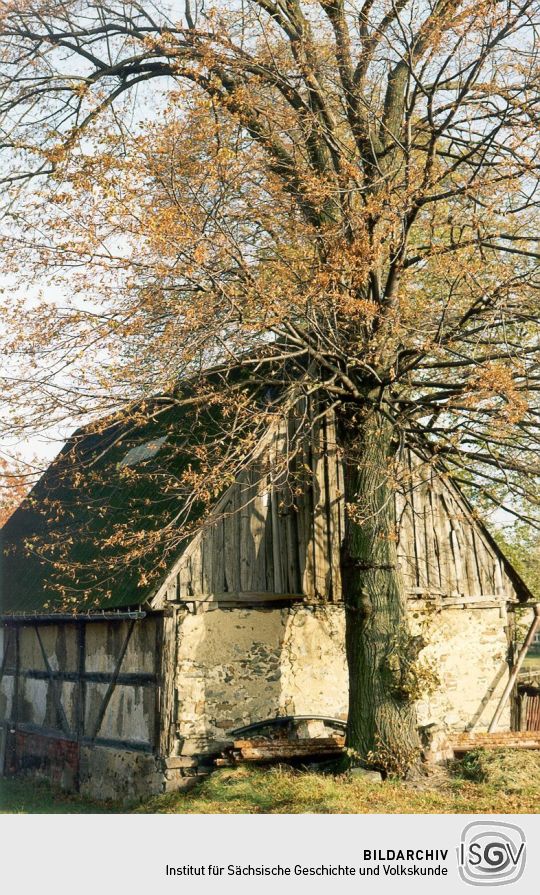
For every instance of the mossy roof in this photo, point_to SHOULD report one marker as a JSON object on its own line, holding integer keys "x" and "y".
{"x": 65, "y": 546}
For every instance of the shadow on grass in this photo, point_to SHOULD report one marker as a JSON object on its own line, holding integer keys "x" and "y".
{"x": 19, "y": 796}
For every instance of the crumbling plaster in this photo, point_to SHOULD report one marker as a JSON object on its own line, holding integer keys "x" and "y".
{"x": 237, "y": 666}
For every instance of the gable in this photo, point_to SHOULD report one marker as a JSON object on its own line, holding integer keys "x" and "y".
{"x": 267, "y": 537}
{"x": 445, "y": 548}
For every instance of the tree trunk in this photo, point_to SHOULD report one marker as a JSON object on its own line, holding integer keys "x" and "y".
{"x": 380, "y": 651}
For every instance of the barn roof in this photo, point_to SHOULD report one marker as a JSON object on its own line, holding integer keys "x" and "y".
{"x": 59, "y": 550}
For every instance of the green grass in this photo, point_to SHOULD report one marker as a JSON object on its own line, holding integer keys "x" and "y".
{"x": 531, "y": 662}
{"x": 499, "y": 783}
{"x": 20, "y": 796}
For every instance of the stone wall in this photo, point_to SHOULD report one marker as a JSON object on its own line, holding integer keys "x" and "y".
{"x": 118, "y": 774}
{"x": 238, "y": 666}
{"x": 467, "y": 649}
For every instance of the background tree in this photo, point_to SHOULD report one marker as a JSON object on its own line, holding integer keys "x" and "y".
{"x": 339, "y": 195}
{"x": 15, "y": 480}
{"x": 521, "y": 544}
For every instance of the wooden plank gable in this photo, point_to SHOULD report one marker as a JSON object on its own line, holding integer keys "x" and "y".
{"x": 278, "y": 535}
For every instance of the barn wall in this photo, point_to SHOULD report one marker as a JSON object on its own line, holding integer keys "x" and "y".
{"x": 274, "y": 533}
{"x": 468, "y": 649}
{"x": 79, "y": 704}
{"x": 238, "y": 666}
{"x": 441, "y": 547}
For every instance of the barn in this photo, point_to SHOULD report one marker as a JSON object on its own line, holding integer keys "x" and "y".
{"x": 121, "y": 681}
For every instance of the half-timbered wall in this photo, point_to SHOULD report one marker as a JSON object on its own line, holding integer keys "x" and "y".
{"x": 76, "y": 698}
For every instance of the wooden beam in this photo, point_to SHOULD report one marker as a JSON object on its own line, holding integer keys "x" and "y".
{"x": 128, "y": 679}
{"x": 7, "y": 642}
{"x": 242, "y": 597}
{"x": 166, "y": 695}
{"x": 81, "y": 690}
{"x": 109, "y": 742}
{"x": 260, "y": 750}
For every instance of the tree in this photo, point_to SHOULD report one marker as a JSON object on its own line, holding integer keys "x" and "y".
{"x": 522, "y": 546}
{"x": 339, "y": 197}
{"x": 15, "y": 480}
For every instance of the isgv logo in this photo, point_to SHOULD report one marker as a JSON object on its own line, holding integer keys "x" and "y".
{"x": 491, "y": 853}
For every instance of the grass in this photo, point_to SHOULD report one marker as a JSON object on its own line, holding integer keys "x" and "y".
{"x": 503, "y": 768}
{"x": 20, "y": 796}
{"x": 531, "y": 662}
{"x": 501, "y": 782}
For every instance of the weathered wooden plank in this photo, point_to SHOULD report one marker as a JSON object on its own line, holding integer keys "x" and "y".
{"x": 341, "y": 491}
{"x": 454, "y": 563}
{"x": 207, "y": 545}
{"x": 247, "y": 555}
{"x": 432, "y": 559}
{"x": 256, "y": 597}
{"x": 479, "y": 553}
{"x": 218, "y": 555}
{"x": 293, "y": 573}
{"x": 320, "y": 525}
{"x": 268, "y": 541}
{"x": 273, "y": 555}
{"x": 491, "y": 568}
{"x": 499, "y": 575}
{"x": 432, "y": 540}
{"x": 443, "y": 528}
{"x": 477, "y": 566}
{"x": 185, "y": 582}
{"x": 472, "y": 584}
{"x": 418, "y": 551}
{"x": 471, "y": 571}
{"x": 260, "y": 528}
{"x": 461, "y": 582}
{"x": 407, "y": 542}
{"x": 458, "y": 522}
{"x": 231, "y": 542}
{"x": 291, "y": 511}
{"x": 432, "y": 543}
{"x": 399, "y": 507}
{"x": 334, "y": 498}
{"x": 287, "y": 545}
{"x": 277, "y": 554}
{"x": 282, "y": 749}
{"x": 196, "y": 583}
{"x": 304, "y": 503}
{"x": 421, "y": 506}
